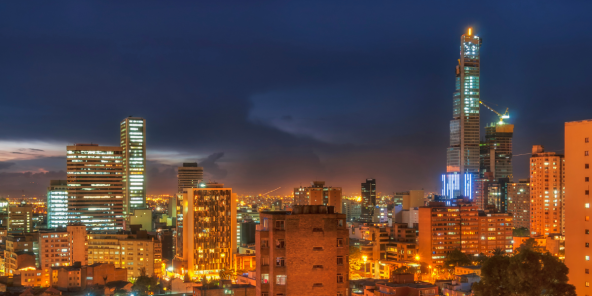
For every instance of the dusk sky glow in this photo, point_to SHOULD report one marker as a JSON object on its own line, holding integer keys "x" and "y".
{"x": 267, "y": 94}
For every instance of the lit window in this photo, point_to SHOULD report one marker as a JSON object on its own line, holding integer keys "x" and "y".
{"x": 587, "y": 258}
{"x": 587, "y": 205}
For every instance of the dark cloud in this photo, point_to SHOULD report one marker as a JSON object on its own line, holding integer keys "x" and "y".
{"x": 291, "y": 92}
{"x": 212, "y": 169}
{"x": 5, "y": 165}
{"x": 28, "y": 183}
{"x": 36, "y": 150}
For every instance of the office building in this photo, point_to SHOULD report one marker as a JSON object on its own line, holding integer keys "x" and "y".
{"x": 481, "y": 189}
{"x": 318, "y": 194}
{"x": 497, "y": 195}
{"x": 462, "y": 165}
{"x": 578, "y": 148}
{"x": 133, "y": 147}
{"x": 209, "y": 229}
{"x": 412, "y": 199}
{"x": 352, "y": 209}
{"x": 20, "y": 218}
{"x": 302, "y": 253}
{"x": 132, "y": 252}
{"x": 368, "y": 199}
{"x": 443, "y": 228}
{"x": 546, "y": 192}
{"x": 95, "y": 196}
{"x": 247, "y": 233}
{"x": 57, "y": 204}
{"x": 496, "y": 150}
{"x": 519, "y": 203}
{"x": 189, "y": 176}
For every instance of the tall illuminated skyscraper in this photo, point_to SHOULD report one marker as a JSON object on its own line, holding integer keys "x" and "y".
{"x": 368, "y": 199}
{"x": 57, "y": 204}
{"x": 189, "y": 176}
{"x": 95, "y": 196}
{"x": 462, "y": 164}
{"x": 133, "y": 145}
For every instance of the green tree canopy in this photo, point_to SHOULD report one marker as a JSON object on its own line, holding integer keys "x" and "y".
{"x": 521, "y": 231}
{"x": 355, "y": 259}
{"x": 457, "y": 258}
{"x": 526, "y": 273}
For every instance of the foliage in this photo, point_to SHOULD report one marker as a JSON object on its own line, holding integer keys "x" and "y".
{"x": 144, "y": 285}
{"x": 529, "y": 244}
{"x": 480, "y": 259}
{"x": 499, "y": 252}
{"x": 526, "y": 273}
{"x": 456, "y": 258}
{"x": 227, "y": 274}
{"x": 120, "y": 292}
{"x": 404, "y": 269}
{"x": 521, "y": 231}
{"x": 355, "y": 259}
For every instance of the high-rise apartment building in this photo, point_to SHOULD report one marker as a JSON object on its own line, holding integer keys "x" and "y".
{"x": 463, "y": 154}
{"x": 318, "y": 194}
{"x": 209, "y": 229}
{"x": 352, "y": 209}
{"x": 189, "y": 176}
{"x": 133, "y": 147}
{"x": 302, "y": 253}
{"x": 20, "y": 218}
{"x": 481, "y": 195}
{"x": 546, "y": 192}
{"x": 61, "y": 248}
{"x": 519, "y": 203}
{"x": 95, "y": 195}
{"x": 368, "y": 199}
{"x": 57, "y": 204}
{"x": 462, "y": 226}
{"x": 496, "y": 151}
{"x": 578, "y": 150}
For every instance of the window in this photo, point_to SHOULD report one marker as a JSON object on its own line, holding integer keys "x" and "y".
{"x": 265, "y": 223}
{"x": 587, "y": 192}
{"x": 587, "y": 205}
{"x": 317, "y": 230}
{"x": 587, "y": 218}
{"x": 587, "y": 284}
{"x": 280, "y": 279}
{"x": 265, "y": 278}
{"x": 279, "y": 261}
{"x": 587, "y": 271}
{"x": 264, "y": 243}
{"x": 587, "y": 179}
{"x": 339, "y": 260}
{"x": 586, "y": 166}
{"x": 585, "y": 153}
{"x": 317, "y": 266}
{"x": 339, "y": 278}
{"x": 265, "y": 261}
{"x": 280, "y": 244}
{"x": 587, "y": 245}
{"x": 340, "y": 243}
{"x": 279, "y": 225}
{"x": 317, "y": 248}
{"x": 317, "y": 285}
{"x": 587, "y": 258}
{"x": 586, "y": 140}
{"x": 587, "y": 231}
{"x": 340, "y": 223}
{"x": 339, "y": 294}
{"x": 264, "y": 294}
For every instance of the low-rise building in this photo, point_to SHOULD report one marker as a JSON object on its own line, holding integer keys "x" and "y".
{"x": 103, "y": 273}
{"x": 460, "y": 270}
{"x": 405, "y": 289}
{"x": 461, "y": 285}
{"x": 69, "y": 278}
{"x": 225, "y": 289}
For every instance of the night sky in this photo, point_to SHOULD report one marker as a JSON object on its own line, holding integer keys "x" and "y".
{"x": 269, "y": 94}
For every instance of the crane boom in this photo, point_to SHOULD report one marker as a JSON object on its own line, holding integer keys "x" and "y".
{"x": 270, "y": 191}
{"x": 506, "y": 115}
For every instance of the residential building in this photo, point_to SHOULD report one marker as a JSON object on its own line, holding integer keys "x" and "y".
{"x": 443, "y": 229}
{"x": 368, "y": 200}
{"x": 404, "y": 289}
{"x": 463, "y": 154}
{"x": 20, "y": 218}
{"x": 133, "y": 148}
{"x": 103, "y": 273}
{"x": 352, "y": 209}
{"x": 401, "y": 251}
{"x": 461, "y": 285}
{"x": 69, "y": 278}
{"x": 225, "y": 289}
{"x": 57, "y": 204}
{"x": 189, "y": 176}
{"x": 304, "y": 252}
{"x": 209, "y": 229}
{"x": 19, "y": 254}
{"x": 546, "y": 192}
{"x": 519, "y": 203}
{"x": 412, "y": 199}
{"x": 95, "y": 196}
{"x": 142, "y": 217}
{"x": 318, "y": 194}
{"x": 578, "y": 147}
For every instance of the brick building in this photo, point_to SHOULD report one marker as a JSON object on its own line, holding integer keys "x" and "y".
{"x": 304, "y": 252}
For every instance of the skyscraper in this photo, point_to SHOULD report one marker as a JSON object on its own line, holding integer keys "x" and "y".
{"x": 546, "y": 192}
{"x": 462, "y": 165}
{"x": 578, "y": 148}
{"x": 95, "y": 193}
{"x": 133, "y": 146}
{"x": 368, "y": 199}
{"x": 496, "y": 151}
{"x": 519, "y": 203}
{"x": 189, "y": 176}
{"x": 57, "y": 204}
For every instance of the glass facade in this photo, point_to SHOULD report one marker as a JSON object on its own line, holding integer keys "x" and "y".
{"x": 463, "y": 153}
{"x": 133, "y": 145}
{"x": 57, "y": 204}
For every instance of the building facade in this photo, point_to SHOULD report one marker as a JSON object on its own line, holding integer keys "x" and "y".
{"x": 578, "y": 147}
{"x": 462, "y": 165}
{"x": 133, "y": 147}
{"x": 318, "y": 194}
{"x": 302, "y": 253}
{"x": 519, "y": 203}
{"x": 20, "y": 218}
{"x": 546, "y": 192}
{"x": 57, "y": 204}
{"x": 368, "y": 199}
{"x": 189, "y": 176}
{"x": 95, "y": 193}
{"x": 209, "y": 229}
{"x": 496, "y": 151}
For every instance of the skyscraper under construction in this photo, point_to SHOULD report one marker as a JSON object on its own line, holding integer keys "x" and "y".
{"x": 462, "y": 166}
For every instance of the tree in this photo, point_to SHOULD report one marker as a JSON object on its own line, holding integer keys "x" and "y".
{"x": 456, "y": 258}
{"x": 499, "y": 252}
{"x": 529, "y": 244}
{"x": 144, "y": 285}
{"x": 355, "y": 259}
{"x": 521, "y": 231}
{"x": 528, "y": 272}
{"x": 480, "y": 259}
{"x": 227, "y": 274}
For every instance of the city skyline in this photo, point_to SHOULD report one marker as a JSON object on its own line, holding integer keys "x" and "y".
{"x": 274, "y": 119}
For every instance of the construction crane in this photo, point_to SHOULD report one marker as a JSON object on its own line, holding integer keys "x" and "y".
{"x": 506, "y": 115}
{"x": 268, "y": 192}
